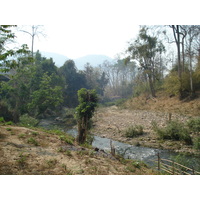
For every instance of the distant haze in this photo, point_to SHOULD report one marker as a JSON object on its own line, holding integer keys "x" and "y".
{"x": 94, "y": 60}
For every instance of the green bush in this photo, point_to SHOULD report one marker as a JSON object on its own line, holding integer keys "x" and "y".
{"x": 9, "y": 123}
{"x": 134, "y": 131}
{"x": 174, "y": 131}
{"x": 26, "y": 120}
{"x": 32, "y": 141}
{"x": 194, "y": 125}
{"x": 67, "y": 139}
{"x": 196, "y": 143}
{"x": 2, "y": 119}
{"x": 172, "y": 83}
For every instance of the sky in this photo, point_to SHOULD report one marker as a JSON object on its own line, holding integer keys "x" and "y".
{"x": 76, "y": 28}
{"x": 80, "y": 39}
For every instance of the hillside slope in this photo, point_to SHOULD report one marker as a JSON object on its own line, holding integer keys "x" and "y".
{"x": 165, "y": 104}
{"x": 27, "y": 151}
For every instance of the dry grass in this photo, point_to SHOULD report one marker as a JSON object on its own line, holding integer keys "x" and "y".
{"x": 165, "y": 104}
{"x": 53, "y": 156}
{"x": 112, "y": 122}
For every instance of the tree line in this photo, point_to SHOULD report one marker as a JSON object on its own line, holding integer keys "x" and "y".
{"x": 37, "y": 86}
{"x": 153, "y": 58}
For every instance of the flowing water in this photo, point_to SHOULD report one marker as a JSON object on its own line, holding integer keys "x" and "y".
{"x": 139, "y": 153}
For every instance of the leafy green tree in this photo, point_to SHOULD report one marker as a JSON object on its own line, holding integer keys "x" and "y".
{"x": 84, "y": 111}
{"x": 72, "y": 82}
{"x": 7, "y": 61}
{"x": 95, "y": 78}
{"x": 145, "y": 49}
{"x": 47, "y": 96}
{"x": 16, "y": 92}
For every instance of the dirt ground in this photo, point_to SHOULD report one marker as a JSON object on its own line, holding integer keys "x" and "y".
{"x": 111, "y": 122}
{"x": 46, "y": 154}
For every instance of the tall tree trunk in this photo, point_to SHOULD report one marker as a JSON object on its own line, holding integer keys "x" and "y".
{"x": 183, "y": 55}
{"x": 82, "y": 129}
{"x": 191, "y": 80}
{"x": 151, "y": 85}
{"x": 179, "y": 52}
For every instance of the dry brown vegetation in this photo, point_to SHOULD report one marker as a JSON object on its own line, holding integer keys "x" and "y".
{"x": 112, "y": 122}
{"x": 164, "y": 103}
{"x": 46, "y": 154}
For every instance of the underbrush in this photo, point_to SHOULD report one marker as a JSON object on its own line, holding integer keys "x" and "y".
{"x": 28, "y": 121}
{"x": 197, "y": 143}
{"x": 134, "y": 131}
{"x": 194, "y": 125}
{"x": 173, "y": 131}
{"x": 118, "y": 102}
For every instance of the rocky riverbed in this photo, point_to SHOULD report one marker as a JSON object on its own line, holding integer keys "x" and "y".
{"x": 111, "y": 122}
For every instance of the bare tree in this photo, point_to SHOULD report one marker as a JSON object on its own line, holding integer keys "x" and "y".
{"x": 193, "y": 33}
{"x": 177, "y": 34}
{"x": 36, "y": 30}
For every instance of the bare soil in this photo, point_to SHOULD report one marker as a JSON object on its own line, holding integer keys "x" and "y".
{"x": 48, "y": 155}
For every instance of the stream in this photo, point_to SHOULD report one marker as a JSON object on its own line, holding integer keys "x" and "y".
{"x": 128, "y": 151}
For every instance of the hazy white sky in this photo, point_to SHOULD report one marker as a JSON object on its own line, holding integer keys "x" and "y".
{"x": 77, "y": 28}
{"x": 82, "y": 27}
{"x": 80, "y": 39}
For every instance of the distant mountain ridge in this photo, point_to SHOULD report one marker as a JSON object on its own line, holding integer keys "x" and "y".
{"x": 59, "y": 59}
{"x": 94, "y": 60}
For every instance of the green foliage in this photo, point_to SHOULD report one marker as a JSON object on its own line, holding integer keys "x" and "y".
{"x": 2, "y": 119}
{"x": 47, "y": 96}
{"x": 6, "y": 113}
{"x": 174, "y": 131}
{"x": 67, "y": 139}
{"x": 51, "y": 163}
{"x": 181, "y": 159}
{"x": 145, "y": 49}
{"x": 22, "y": 160}
{"x": 28, "y": 121}
{"x": 9, "y": 123}
{"x": 172, "y": 84}
{"x": 34, "y": 133}
{"x": 87, "y": 103}
{"x": 32, "y": 141}
{"x": 22, "y": 135}
{"x": 132, "y": 131}
{"x": 7, "y": 36}
{"x": 72, "y": 82}
{"x": 196, "y": 143}
{"x": 68, "y": 153}
{"x": 194, "y": 124}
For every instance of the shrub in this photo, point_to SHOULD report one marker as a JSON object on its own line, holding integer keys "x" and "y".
{"x": 174, "y": 131}
{"x": 196, "y": 143}
{"x": 34, "y": 133}
{"x": 194, "y": 125}
{"x": 32, "y": 141}
{"x": 172, "y": 83}
{"x": 2, "y": 119}
{"x": 67, "y": 139}
{"x": 26, "y": 120}
{"x": 9, "y": 123}
{"x": 22, "y": 135}
{"x": 134, "y": 131}
{"x": 6, "y": 113}
{"x": 22, "y": 160}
